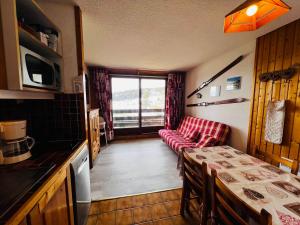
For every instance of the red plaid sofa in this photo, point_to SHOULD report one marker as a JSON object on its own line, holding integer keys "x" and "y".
{"x": 195, "y": 133}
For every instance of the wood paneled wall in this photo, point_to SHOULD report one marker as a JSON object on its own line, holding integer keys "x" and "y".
{"x": 277, "y": 50}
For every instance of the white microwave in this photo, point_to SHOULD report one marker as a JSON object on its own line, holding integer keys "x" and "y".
{"x": 38, "y": 71}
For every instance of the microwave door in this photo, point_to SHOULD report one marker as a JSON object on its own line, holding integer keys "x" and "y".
{"x": 37, "y": 71}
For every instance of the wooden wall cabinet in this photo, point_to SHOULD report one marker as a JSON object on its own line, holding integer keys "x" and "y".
{"x": 94, "y": 134}
{"x": 12, "y": 12}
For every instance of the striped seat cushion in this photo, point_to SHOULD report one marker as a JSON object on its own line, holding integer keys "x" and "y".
{"x": 175, "y": 140}
{"x": 189, "y": 127}
{"x": 195, "y": 132}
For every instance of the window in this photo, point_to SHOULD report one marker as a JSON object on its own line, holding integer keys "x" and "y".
{"x": 138, "y": 102}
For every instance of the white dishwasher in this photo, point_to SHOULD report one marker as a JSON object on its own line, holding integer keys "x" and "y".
{"x": 81, "y": 186}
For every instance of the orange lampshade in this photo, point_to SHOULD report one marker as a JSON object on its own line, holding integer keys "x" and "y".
{"x": 253, "y": 14}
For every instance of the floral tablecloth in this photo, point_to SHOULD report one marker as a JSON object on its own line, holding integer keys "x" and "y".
{"x": 256, "y": 182}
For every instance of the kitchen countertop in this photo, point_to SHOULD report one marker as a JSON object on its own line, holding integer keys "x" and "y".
{"x": 23, "y": 179}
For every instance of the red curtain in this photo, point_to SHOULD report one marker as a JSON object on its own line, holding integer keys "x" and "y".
{"x": 101, "y": 93}
{"x": 174, "y": 100}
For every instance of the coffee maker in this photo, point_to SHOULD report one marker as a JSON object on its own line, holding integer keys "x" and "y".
{"x": 15, "y": 145}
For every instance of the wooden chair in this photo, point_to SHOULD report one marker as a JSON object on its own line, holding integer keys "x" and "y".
{"x": 225, "y": 204}
{"x": 102, "y": 129}
{"x": 277, "y": 160}
{"x": 195, "y": 181}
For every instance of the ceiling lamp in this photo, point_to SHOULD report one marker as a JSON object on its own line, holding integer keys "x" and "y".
{"x": 253, "y": 14}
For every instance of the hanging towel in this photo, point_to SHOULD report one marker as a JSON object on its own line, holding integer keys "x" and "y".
{"x": 275, "y": 121}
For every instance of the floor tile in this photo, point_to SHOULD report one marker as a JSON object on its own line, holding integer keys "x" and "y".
{"x": 107, "y": 205}
{"x": 92, "y": 220}
{"x": 154, "y": 198}
{"x": 146, "y": 223}
{"x": 107, "y": 218}
{"x": 142, "y": 214}
{"x": 124, "y": 217}
{"x": 168, "y": 221}
{"x": 139, "y": 200}
{"x": 94, "y": 209}
{"x": 124, "y": 203}
{"x": 155, "y": 212}
{"x": 179, "y": 192}
{"x": 159, "y": 211}
{"x": 170, "y": 195}
{"x": 173, "y": 207}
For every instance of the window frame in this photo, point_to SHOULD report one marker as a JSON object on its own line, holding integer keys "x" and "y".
{"x": 140, "y": 129}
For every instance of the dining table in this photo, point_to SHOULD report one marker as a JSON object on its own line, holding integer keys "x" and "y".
{"x": 257, "y": 183}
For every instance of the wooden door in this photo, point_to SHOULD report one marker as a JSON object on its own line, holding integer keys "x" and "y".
{"x": 94, "y": 134}
{"x": 54, "y": 207}
{"x": 56, "y": 211}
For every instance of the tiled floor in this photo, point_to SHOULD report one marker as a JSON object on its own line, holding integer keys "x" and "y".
{"x": 161, "y": 208}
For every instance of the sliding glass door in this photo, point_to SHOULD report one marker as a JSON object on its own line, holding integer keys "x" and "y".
{"x": 138, "y": 104}
{"x": 125, "y": 99}
{"x": 153, "y": 102}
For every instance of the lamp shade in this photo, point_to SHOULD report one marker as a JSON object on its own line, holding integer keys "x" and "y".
{"x": 253, "y": 14}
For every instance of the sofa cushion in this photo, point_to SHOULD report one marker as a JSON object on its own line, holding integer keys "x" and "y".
{"x": 214, "y": 129}
{"x": 211, "y": 133}
{"x": 189, "y": 127}
{"x": 206, "y": 141}
{"x": 192, "y": 134}
{"x": 165, "y": 133}
{"x": 175, "y": 140}
{"x": 182, "y": 126}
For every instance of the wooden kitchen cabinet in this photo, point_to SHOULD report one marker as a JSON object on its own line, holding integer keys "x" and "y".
{"x": 52, "y": 202}
{"x": 94, "y": 134}
{"x": 54, "y": 206}
{"x": 18, "y": 34}
{"x": 24, "y": 222}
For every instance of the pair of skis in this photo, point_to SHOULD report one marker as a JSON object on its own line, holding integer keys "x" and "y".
{"x": 206, "y": 83}
{"x": 227, "y": 101}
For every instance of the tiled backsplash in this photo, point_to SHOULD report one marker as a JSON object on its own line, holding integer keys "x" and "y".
{"x": 58, "y": 119}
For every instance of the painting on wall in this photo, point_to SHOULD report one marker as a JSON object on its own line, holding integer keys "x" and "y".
{"x": 233, "y": 83}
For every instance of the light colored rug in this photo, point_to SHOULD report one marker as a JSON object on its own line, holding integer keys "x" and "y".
{"x": 134, "y": 167}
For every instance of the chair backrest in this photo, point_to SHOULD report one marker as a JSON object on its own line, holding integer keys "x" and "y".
{"x": 228, "y": 209}
{"x": 277, "y": 160}
{"x": 195, "y": 175}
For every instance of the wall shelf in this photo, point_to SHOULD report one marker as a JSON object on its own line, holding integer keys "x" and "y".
{"x": 31, "y": 12}
{"x": 13, "y": 94}
{"x": 31, "y": 42}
